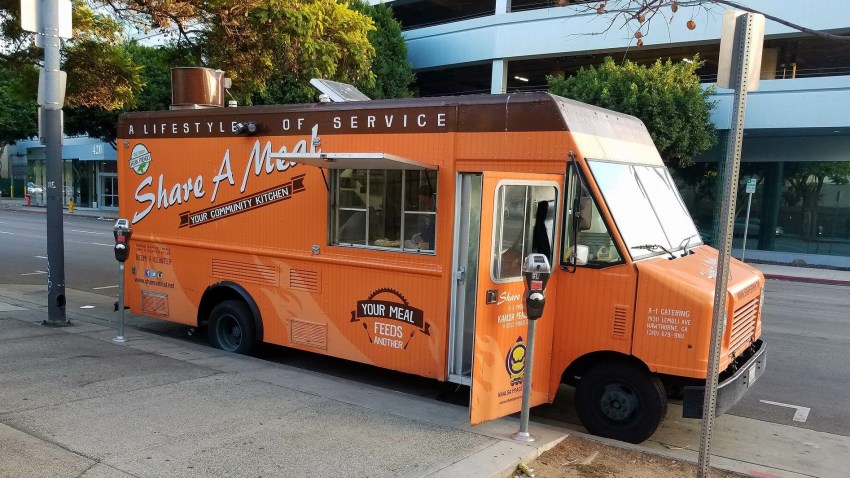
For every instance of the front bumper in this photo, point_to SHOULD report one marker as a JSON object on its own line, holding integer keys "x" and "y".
{"x": 730, "y": 390}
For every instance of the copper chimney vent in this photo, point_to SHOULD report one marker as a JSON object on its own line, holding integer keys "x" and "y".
{"x": 195, "y": 87}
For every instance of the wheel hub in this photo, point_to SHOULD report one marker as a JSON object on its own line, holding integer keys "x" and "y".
{"x": 232, "y": 332}
{"x": 618, "y": 403}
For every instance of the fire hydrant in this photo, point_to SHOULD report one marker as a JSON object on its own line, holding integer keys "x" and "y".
{"x": 28, "y": 198}
{"x": 70, "y": 207}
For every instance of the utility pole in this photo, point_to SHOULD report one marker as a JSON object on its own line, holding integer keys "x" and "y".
{"x": 51, "y": 21}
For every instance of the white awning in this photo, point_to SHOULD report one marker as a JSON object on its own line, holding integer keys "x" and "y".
{"x": 353, "y": 160}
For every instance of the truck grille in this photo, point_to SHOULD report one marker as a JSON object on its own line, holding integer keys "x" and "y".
{"x": 744, "y": 324}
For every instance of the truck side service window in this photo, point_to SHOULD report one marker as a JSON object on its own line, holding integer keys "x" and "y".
{"x": 595, "y": 245}
{"x": 384, "y": 209}
{"x": 524, "y": 224}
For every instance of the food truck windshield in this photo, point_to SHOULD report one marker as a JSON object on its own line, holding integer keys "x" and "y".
{"x": 646, "y": 207}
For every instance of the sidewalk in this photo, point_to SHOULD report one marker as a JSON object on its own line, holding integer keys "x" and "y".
{"x": 804, "y": 274}
{"x": 73, "y": 403}
{"x": 18, "y": 204}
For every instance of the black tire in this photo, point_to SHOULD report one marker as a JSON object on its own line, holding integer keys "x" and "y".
{"x": 620, "y": 401}
{"x": 231, "y": 327}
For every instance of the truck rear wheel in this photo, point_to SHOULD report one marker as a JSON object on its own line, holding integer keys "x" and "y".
{"x": 231, "y": 327}
{"x": 620, "y": 401}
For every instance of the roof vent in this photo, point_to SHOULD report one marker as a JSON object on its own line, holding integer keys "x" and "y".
{"x": 195, "y": 88}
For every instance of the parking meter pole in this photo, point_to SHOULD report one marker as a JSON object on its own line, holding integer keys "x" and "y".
{"x": 522, "y": 434}
{"x": 120, "y": 337}
{"x": 122, "y": 233}
{"x": 536, "y": 271}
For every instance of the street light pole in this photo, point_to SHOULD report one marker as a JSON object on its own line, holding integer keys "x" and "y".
{"x": 52, "y": 121}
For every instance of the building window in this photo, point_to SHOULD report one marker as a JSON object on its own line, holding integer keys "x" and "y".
{"x": 384, "y": 209}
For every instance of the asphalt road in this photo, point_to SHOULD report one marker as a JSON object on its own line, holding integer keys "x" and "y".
{"x": 806, "y": 326}
{"x": 89, "y": 262}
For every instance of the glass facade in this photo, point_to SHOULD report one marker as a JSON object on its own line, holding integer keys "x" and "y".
{"x": 797, "y": 207}
{"x": 89, "y": 184}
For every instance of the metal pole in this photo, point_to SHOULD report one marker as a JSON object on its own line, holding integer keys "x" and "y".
{"x": 733, "y": 163}
{"x": 522, "y": 434}
{"x": 52, "y": 115}
{"x": 120, "y": 337}
{"x": 746, "y": 225}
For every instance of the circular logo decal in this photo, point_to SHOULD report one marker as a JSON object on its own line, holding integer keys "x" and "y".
{"x": 140, "y": 159}
{"x": 515, "y": 361}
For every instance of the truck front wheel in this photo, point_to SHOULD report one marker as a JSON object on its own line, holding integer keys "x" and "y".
{"x": 231, "y": 328}
{"x": 620, "y": 401}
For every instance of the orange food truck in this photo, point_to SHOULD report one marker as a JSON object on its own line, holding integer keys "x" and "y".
{"x": 392, "y": 233}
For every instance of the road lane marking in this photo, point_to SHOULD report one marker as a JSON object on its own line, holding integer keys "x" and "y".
{"x": 99, "y": 244}
{"x": 34, "y": 273}
{"x": 10, "y": 233}
{"x": 104, "y": 287}
{"x": 88, "y": 232}
{"x": 41, "y": 257}
{"x": 801, "y": 413}
{"x": 87, "y": 307}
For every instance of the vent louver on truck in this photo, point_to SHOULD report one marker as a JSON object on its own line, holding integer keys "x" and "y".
{"x": 305, "y": 280}
{"x": 308, "y": 333}
{"x": 621, "y": 314}
{"x": 244, "y": 272}
{"x": 744, "y": 324}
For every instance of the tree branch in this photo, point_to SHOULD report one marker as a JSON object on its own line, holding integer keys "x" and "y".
{"x": 819, "y": 34}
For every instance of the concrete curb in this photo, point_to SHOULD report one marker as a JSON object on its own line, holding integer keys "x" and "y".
{"x": 812, "y": 280}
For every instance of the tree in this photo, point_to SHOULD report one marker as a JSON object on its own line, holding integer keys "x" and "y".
{"x": 257, "y": 40}
{"x": 666, "y": 96}
{"x": 154, "y": 65}
{"x": 393, "y": 72}
{"x": 636, "y": 16}
{"x": 18, "y": 115}
{"x": 99, "y": 73}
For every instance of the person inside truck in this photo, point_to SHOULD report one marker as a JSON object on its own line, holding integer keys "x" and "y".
{"x": 424, "y": 236}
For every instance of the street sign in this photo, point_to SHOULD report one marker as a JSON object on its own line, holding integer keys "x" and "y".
{"x": 731, "y": 50}
{"x": 751, "y": 185}
{"x": 58, "y": 99}
{"x": 32, "y": 18}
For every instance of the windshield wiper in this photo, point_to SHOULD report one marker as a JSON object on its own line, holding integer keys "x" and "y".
{"x": 652, "y": 248}
{"x": 686, "y": 241}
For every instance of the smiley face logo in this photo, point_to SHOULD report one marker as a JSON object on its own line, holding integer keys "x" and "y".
{"x": 515, "y": 361}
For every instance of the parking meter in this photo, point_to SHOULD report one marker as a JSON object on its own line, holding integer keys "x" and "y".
{"x": 122, "y": 233}
{"x": 536, "y": 271}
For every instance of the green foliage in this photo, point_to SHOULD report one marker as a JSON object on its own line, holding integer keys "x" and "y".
{"x": 99, "y": 73}
{"x": 285, "y": 41}
{"x": 666, "y": 96}
{"x": 393, "y": 72}
{"x": 18, "y": 109}
{"x": 154, "y": 65}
